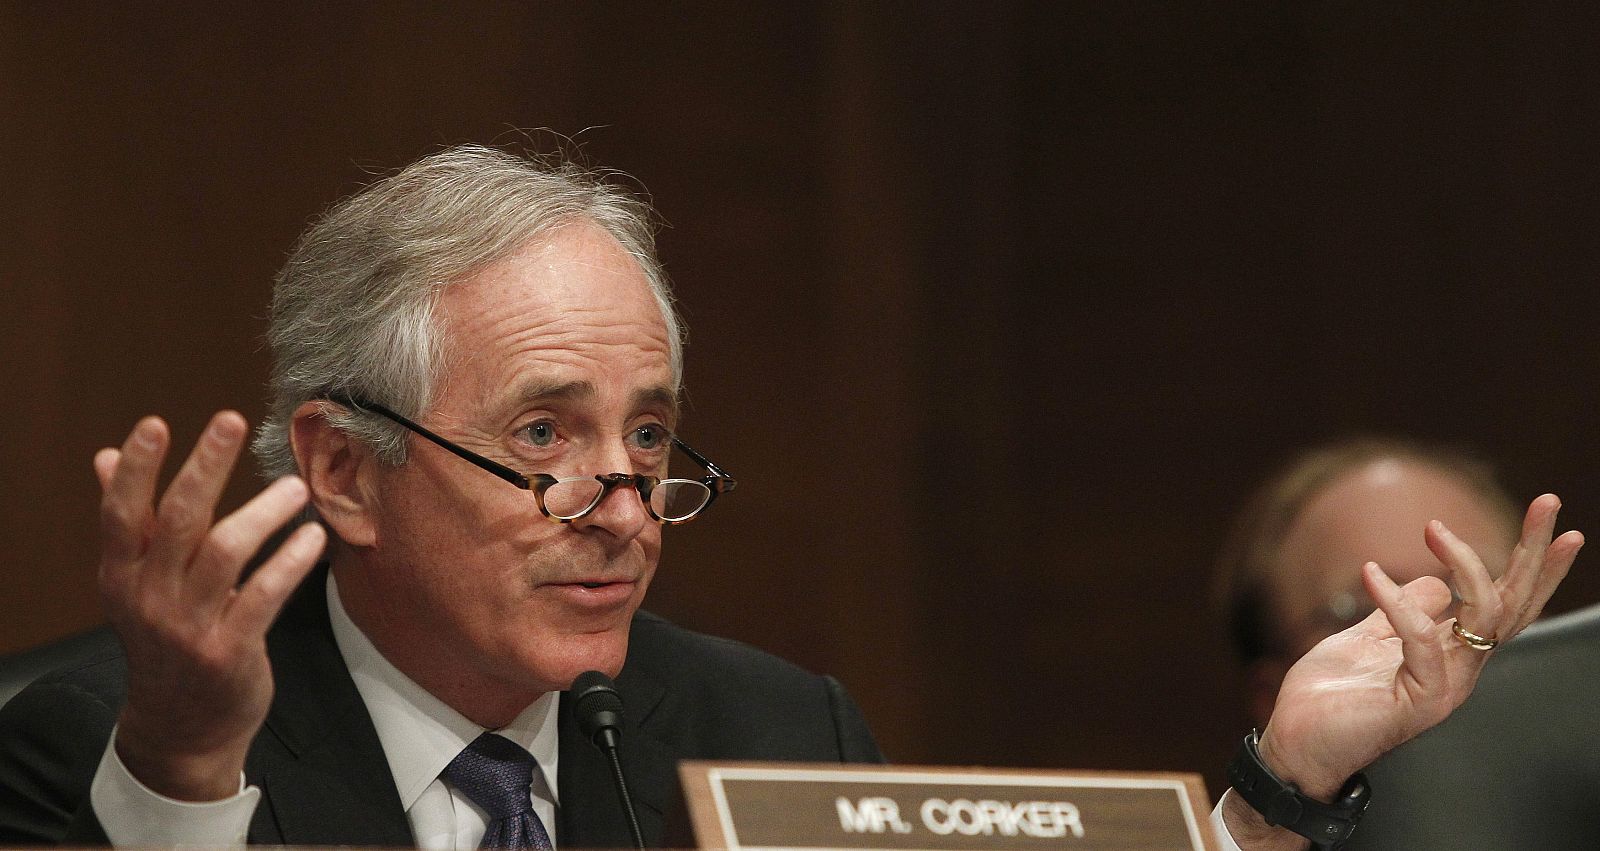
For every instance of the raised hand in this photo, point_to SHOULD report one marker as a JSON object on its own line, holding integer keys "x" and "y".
{"x": 199, "y": 683}
{"x": 1363, "y": 691}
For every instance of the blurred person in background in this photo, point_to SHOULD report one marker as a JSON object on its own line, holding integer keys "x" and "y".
{"x": 1514, "y": 766}
{"x": 1290, "y": 571}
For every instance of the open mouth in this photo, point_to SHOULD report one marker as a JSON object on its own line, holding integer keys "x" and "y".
{"x": 595, "y": 594}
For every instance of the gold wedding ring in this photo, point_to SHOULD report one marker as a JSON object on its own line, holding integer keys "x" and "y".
{"x": 1472, "y": 639}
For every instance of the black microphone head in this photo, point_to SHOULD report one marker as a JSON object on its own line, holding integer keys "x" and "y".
{"x": 598, "y": 708}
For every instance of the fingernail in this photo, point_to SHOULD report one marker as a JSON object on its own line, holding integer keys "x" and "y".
{"x": 309, "y": 539}
{"x": 145, "y": 434}
{"x": 225, "y": 429}
{"x": 295, "y": 485}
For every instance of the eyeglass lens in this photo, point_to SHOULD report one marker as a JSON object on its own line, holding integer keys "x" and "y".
{"x": 672, "y": 499}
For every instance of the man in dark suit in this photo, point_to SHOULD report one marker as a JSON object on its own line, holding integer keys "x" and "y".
{"x": 477, "y": 370}
{"x": 322, "y": 771}
{"x": 476, "y": 379}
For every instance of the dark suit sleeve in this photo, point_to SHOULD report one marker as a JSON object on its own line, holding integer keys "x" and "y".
{"x": 52, "y": 735}
{"x": 855, "y": 738}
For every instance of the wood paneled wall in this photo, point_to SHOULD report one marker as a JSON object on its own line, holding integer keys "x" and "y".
{"x": 996, "y": 309}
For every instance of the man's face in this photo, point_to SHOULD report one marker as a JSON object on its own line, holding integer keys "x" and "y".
{"x": 557, "y": 361}
{"x": 1374, "y": 513}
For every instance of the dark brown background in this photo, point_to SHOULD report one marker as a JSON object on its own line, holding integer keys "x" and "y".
{"x": 996, "y": 309}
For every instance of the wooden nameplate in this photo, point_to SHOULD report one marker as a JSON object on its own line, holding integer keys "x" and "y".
{"x": 765, "y": 806}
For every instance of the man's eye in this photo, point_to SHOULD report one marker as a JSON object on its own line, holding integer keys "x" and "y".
{"x": 540, "y": 433}
{"x": 650, "y": 436}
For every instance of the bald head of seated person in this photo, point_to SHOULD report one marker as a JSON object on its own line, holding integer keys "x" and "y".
{"x": 475, "y": 391}
{"x": 1290, "y": 572}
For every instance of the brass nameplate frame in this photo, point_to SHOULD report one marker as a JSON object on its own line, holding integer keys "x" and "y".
{"x": 770, "y": 806}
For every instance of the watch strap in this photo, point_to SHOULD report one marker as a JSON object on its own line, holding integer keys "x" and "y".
{"x": 1282, "y": 804}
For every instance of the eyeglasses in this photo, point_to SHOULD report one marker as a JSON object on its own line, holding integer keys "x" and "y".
{"x": 564, "y": 500}
{"x": 1348, "y": 607}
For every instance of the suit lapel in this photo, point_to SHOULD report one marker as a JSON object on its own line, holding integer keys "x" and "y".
{"x": 325, "y": 779}
{"x": 321, "y": 767}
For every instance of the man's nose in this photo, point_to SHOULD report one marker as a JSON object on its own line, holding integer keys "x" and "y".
{"x": 621, "y": 512}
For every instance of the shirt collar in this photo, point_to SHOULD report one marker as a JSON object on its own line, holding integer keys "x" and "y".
{"x": 420, "y": 733}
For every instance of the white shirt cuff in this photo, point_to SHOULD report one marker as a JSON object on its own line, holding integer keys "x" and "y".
{"x": 1225, "y": 841}
{"x": 134, "y": 815}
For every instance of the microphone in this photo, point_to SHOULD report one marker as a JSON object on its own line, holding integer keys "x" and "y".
{"x": 598, "y": 708}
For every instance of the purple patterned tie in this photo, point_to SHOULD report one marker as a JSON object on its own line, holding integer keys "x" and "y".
{"x": 496, "y": 774}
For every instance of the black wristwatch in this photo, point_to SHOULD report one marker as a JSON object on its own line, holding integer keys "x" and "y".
{"x": 1282, "y": 805}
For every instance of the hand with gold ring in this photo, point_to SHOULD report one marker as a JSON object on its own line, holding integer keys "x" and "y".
{"x": 1472, "y": 639}
{"x": 1405, "y": 668}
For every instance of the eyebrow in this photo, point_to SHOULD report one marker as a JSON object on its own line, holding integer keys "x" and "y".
{"x": 658, "y": 397}
{"x": 564, "y": 390}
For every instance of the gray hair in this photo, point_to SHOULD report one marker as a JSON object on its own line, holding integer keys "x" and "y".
{"x": 353, "y": 308}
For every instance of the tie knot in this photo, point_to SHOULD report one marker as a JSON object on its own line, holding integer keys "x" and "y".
{"x": 495, "y": 773}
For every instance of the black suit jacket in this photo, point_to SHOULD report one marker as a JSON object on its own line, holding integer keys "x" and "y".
{"x": 323, "y": 775}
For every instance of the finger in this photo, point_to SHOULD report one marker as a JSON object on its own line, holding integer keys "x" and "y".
{"x": 125, "y": 503}
{"x": 1527, "y": 558}
{"x": 1428, "y": 594}
{"x": 190, "y": 502}
{"x": 1424, "y": 660}
{"x": 258, "y": 601}
{"x": 1480, "y": 610}
{"x": 230, "y": 544}
{"x": 105, "y": 465}
{"x": 1557, "y": 561}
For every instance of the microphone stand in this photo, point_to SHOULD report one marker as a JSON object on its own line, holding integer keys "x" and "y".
{"x": 622, "y": 792}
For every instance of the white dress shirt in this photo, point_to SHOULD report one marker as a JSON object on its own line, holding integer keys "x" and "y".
{"x": 1224, "y": 838}
{"x": 420, "y": 736}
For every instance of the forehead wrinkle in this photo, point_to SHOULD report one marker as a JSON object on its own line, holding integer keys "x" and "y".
{"x": 580, "y": 332}
{"x": 555, "y": 352}
{"x": 574, "y": 323}
{"x": 555, "y": 314}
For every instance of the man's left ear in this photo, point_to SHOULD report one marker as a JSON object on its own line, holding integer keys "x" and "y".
{"x": 332, "y": 466}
